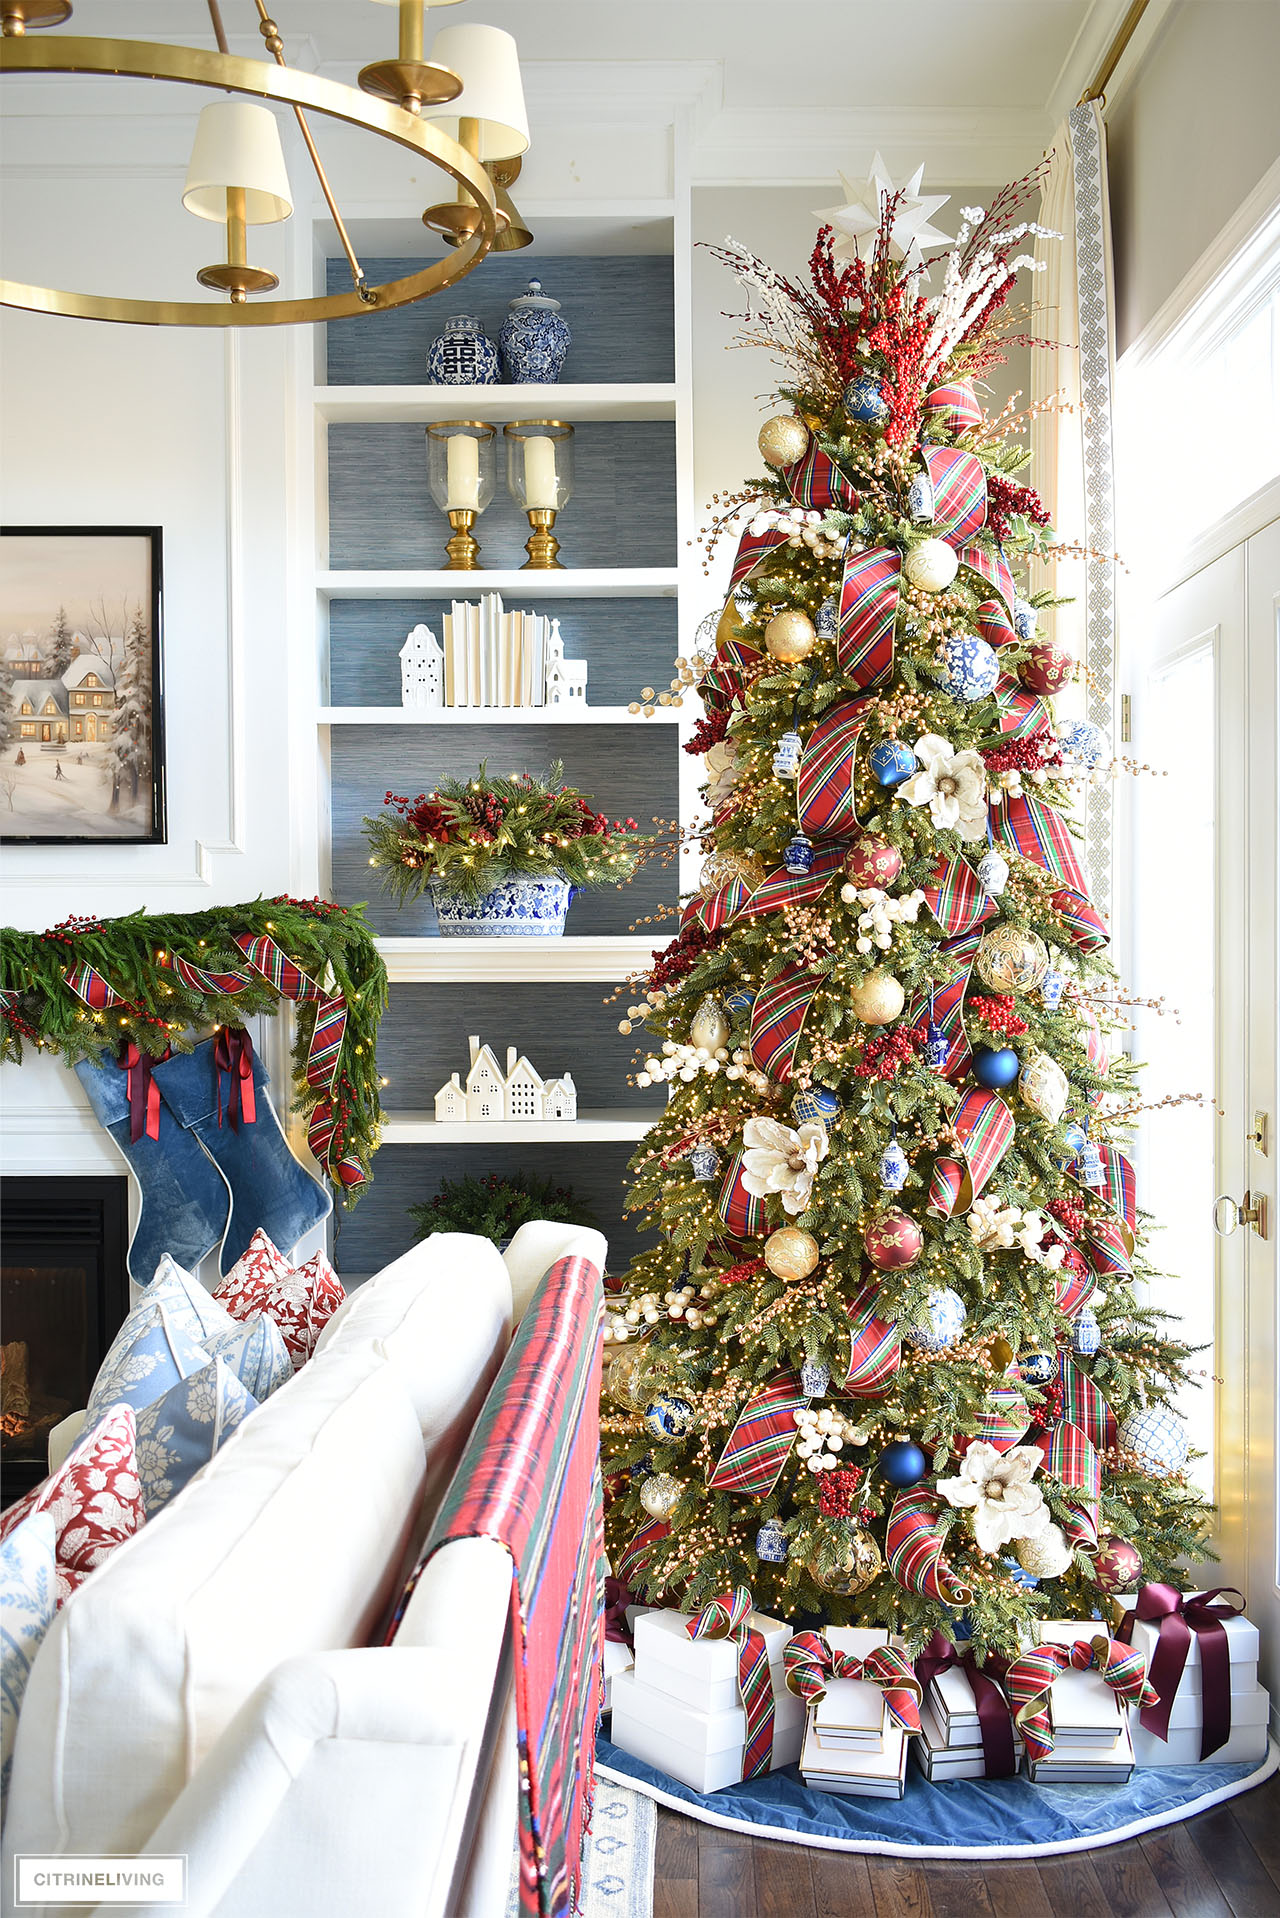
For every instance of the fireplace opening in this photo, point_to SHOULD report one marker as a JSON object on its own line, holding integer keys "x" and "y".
{"x": 64, "y": 1290}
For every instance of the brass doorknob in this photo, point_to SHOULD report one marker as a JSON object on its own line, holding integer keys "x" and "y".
{"x": 1228, "y": 1213}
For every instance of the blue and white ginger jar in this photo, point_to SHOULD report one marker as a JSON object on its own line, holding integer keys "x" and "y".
{"x": 517, "y": 909}
{"x": 461, "y": 355}
{"x": 534, "y": 339}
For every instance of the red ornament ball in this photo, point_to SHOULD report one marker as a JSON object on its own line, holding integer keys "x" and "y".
{"x": 1118, "y": 1565}
{"x": 1047, "y": 668}
{"x": 893, "y": 1241}
{"x": 872, "y": 861}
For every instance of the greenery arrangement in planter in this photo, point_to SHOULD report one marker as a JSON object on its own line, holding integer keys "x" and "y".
{"x": 501, "y": 856}
{"x": 495, "y": 1207}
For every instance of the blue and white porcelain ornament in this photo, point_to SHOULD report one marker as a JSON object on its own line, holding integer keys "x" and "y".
{"x": 786, "y": 758}
{"x": 461, "y": 355}
{"x": 1092, "y": 1171}
{"x": 815, "y": 1377}
{"x": 1082, "y": 741}
{"x": 1075, "y": 1136}
{"x": 798, "y": 857}
{"x": 640, "y": 1471}
{"x": 1158, "y": 1437}
{"x": 1037, "y": 1367}
{"x": 534, "y": 339}
{"x": 893, "y": 1167}
{"x": 966, "y": 667}
{"x": 891, "y": 762}
{"x": 993, "y": 872}
{"x": 903, "y": 1464}
{"x": 1052, "y": 987}
{"x": 864, "y": 400}
{"x": 937, "y": 1046}
{"x": 1024, "y": 619}
{"x": 920, "y": 499}
{"x": 704, "y": 1162}
{"x": 1086, "y": 1333}
{"x": 995, "y": 1067}
{"x": 946, "y": 1320}
{"x": 828, "y": 617}
{"x": 815, "y": 1102}
{"x": 771, "y": 1543}
{"x": 668, "y": 1417}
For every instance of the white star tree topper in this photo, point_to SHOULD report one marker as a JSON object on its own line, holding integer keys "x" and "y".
{"x": 857, "y": 222}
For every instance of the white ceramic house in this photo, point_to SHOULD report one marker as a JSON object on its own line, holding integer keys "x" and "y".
{"x": 521, "y": 1093}
{"x": 560, "y": 1099}
{"x": 566, "y": 679}
{"x": 422, "y": 669}
{"x": 524, "y": 1088}
{"x": 451, "y": 1102}
{"x": 486, "y": 1086}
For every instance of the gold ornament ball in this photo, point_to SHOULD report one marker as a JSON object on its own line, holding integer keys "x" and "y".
{"x": 625, "y": 1379}
{"x": 661, "y": 1494}
{"x": 1043, "y": 1085}
{"x": 877, "y": 999}
{"x": 710, "y": 1026}
{"x": 783, "y": 439}
{"x": 859, "y": 1565}
{"x": 789, "y": 636}
{"x": 790, "y": 1253}
{"x": 1010, "y": 960}
{"x": 1047, "y": 1556}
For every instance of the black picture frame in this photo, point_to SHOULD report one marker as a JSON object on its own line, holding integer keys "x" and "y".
{"x": 139, "y": 775}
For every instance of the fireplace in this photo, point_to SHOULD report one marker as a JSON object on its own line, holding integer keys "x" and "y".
{"x": 64, "y": 1290}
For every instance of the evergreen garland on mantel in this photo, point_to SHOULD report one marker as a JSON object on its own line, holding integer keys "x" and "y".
{"x": 161, "y": 981}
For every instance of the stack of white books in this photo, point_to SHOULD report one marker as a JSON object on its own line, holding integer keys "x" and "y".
{"x": 950, "y": 1741}
{"x": 1250, "y": 1701}
{"x": 1090, "y": 1726}
{"x": 851, "y": 1745}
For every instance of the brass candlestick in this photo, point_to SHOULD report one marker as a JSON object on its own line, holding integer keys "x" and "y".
{"x": 542, "y": 544}
{"x": 463, "y": 548}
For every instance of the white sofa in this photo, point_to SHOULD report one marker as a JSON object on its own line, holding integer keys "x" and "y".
{"x": 218, "y": 1688}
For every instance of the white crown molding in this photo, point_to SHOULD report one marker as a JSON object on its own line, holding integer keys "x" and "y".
{"x": 801, "y": 146}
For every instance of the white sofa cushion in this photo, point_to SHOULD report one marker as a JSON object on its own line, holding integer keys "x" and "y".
{"x": 285, "y": 1543}
{"x": 542, "y": 1243}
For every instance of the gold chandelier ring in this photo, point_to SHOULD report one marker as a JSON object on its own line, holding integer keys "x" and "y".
{"x": 153, "y": 60}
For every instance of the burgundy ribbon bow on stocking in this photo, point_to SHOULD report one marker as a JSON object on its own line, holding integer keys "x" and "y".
{"x": 233, "y": 1055}
{"x": 142, "y": 1090}
{"x": 995, "y": 1719}
{"x": 1177, "y": 1620}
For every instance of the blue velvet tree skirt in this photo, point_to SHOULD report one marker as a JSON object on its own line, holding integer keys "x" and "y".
{"x": 965, "y": 1818}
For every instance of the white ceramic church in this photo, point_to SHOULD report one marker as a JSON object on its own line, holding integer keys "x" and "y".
{"x": 519, "y": 1093}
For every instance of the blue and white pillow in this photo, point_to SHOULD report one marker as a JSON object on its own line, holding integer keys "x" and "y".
{"x": 150, "y": 1353}
{"x": 28, "y": 1604}
{"x": 184, "y": 1427}
{"x": 186, "y": 1301}
{"x": 256, "y": 1353}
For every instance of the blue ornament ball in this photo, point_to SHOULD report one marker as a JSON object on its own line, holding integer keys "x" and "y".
{"x": 1159, "y": 1438}
{"x": 739, "y": 1001}
{"x": 1074, "y": 1136}
{"x": 771, "y": 1543}
{"x": 903, "y": 1463}
{"x": 947, "y": 1316}
{"x": 640, "y": 1470}
{"x": 1036, "y": 1367}
{"x": 1086, "y": 1334}
{"x": 668, "y": 1417}
{"x": 864, "y": 400}
{"x": 1024, "y": 619}
{"x": 1019, "y": 1574}
{"x": 815, "y": 1377}
{"x": 967, "y": 668}
{"x": 891, "y": 762}
{"x": 1082, "y": 741}
{"x": 995, "y": 1067}
{"x": 814, "y": 1102}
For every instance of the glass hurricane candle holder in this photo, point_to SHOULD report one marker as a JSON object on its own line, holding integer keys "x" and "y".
{"x": 461, "y": 474}
{"x": 540, "y": 479}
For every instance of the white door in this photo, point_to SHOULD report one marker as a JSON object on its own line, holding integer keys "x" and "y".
{"x": 1205, "y": 887}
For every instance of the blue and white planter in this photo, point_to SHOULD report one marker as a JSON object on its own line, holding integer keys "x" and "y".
{"x": 517, "y": 909}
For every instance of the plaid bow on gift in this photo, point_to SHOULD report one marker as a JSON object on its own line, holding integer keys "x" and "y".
{"x": 726, "y": 1617}
{"x": 1029, "y": 1683}
{"x": 810, "y": 1661}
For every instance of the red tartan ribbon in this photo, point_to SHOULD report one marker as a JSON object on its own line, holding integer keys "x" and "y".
{"x": 142, "y": 1091}
{"x": 783, "y": 888}
{"x": 727, "y": 679}
{"x": 825, "y": 802}
{"x": 1021, "y": 713}
{"x": 726, "y": 1617}
{"x": 1084, "y": 1405}
{"x": 1030, "y": 1683}
{"x": 1071, "y": 1290}
{"x": 955, "y": 957}
{"x": 1084, "y": 923}
{"x": 1070, "y": 1457}
{"x": 1178, "y": 1620}
{"x": 233, "y": 1059}
{"x": 913, "y": 1549}
{"x": 741, "y": 1210}
{"x": 995, "y": 1720}
{"x": 760, "y": 1443}
{"x": 810, "y": 1661}
{"x": 221, "y": 984}
{"x": 1108, "y": 1249}
{"x": 994, "y": 624}
{"x": 984, "y": 1126}
{"x": 952, "y": 408}
{"x": 992, "y": 569}
{"x": 617, "y": 1596}
{"x": 868, "y": 608}
{"x": 956, "y": 897}
{"x": 88, "y": 984}
{"x": 633, "y": 1558}
{"x": 716, "y": 909}
{"x": 816, "y": 482}
{"x": 1038, "y": 831}
{"x": 875, "y": 1348}
{"x": 959, "y": 492}
{"x": 777, "y": 1019}
{"x": 1003, "y": 1419}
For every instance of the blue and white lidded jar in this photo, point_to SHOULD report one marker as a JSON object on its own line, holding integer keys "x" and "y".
{"x": 786, "y": 760}
{"x": 828, "y": 617}
{"x": 534, "y": 339}
{"x": 771, "y": 1543}
{"x": 461, "y": 355}
{"x": 893, "y": 1167}
{"x": 815, "y": 1377}
{"x": 704, "y": 1162}
{"x": 920, "y": 503}
{"x": 797, "y": 857}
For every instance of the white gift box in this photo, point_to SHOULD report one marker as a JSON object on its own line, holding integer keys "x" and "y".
{"x": 850, "y": 1714}
{"x": 939, "y": 1757}
{"x": 702, "y": 1672}
{"x": 1086, "y": 1712}
{"x": 1087, "y": 1765}
{"x": 879, "y": 1772}
{"x": 955, "y": 1709}
{"x": 1247, "y": 1744}
{"x": 702, "y": 1749}
{"x": 617, "y": 1658}
{"x": 1242, "y": 1650}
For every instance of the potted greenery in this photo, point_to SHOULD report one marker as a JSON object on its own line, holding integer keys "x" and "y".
{"x": 501, "y": 856}
{"x": 495, "y": 1208}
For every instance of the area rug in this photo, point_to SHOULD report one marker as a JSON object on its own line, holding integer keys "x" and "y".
{"x": 999, "y": 1818}
{"x": 617, "y": 1873}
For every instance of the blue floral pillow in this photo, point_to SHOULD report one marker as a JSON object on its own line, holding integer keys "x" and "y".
{"x": 256, "y": 1353}
{"x": 28, "y": 1602}
{"x": 186, "y": 1301}
{"x": 184, "y": 1427}
{"x": 150, "y": 1353}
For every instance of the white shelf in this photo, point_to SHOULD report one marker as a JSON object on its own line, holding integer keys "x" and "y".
{"x": 420, "y": 405}
{"x": 605, "y": 959}
{"x": 585, "y": 582}
{"x": 573, "y": 714}
{"x": 422, "y": 1128}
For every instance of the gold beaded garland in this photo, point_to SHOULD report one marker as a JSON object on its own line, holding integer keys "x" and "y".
{"x": 783, "y": 439}
{"x": 789, "y": 636}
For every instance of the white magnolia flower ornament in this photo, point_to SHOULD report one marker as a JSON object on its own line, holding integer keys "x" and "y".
{"x": 782, "y": 1160}
{"x": 722, "y": 772}
{"x": 997, "y": 1487}
{"x": 952, "y": 785}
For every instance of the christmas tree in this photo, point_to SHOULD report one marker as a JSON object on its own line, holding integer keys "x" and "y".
{"x": 886, "y": 1365}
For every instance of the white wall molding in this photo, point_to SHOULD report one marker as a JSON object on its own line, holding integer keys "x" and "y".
{"x": 796, "y": 146}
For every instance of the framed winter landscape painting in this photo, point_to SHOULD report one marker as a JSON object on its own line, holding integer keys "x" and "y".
{"x": 81, "y": 689}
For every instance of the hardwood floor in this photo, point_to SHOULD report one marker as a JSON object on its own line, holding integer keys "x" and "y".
{"x": 1223, "y": 1864}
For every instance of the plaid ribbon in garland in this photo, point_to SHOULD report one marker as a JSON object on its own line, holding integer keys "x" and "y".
{"x": 952, "y": 407}
{"x": 633, "y": 1558}
{"x": 1022, "y": 714}
{"x": 1069, "y": 1457}
{"x": 992, "y": 569}
{"x": 1071, "y": 1290}
{"x": 88, "y": 984}
{"x": 984, "y": 1126}
{"x": 777, "y": 1019}
{"x": 760, "y": 1443}
{"x": 726, "y": 1617}
{"x": 1108, "y": 1250}
{"x": 741, "y": 1210}
{"x": 1003, "y": 1418}
{"x": 1085, "y": 925}
{"x": 955, "y": 957}
{"x": 959, "y": 492}
{"x": 1084, "y": 1405}
{"x": 868, "y": 608}
{"x": 875, "y": 1348}
{"x": 825, "y": 802}
{"x": 815, "y": 481}
{"x": 994, "y": 624}
{"x": 1038, "y": 831}
{"x": 956, "y": 897}
{"x": 810, "y": 1662}
{"x": 715, "y": 909}
{"x": 727, "y": 678}
{"x": 1029, "y": 1683}
{"x": 913, "y": 1549}
{"x": 783, "y": 888}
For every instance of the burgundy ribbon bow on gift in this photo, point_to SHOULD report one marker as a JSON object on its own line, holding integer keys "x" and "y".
{"x": 142, "y": 1090}
{"x": 617, "y": 1596}
{"x": 233, "y": 1055}
{"x": 1177, "y": 1619}
{"x": 995, "y": 1719}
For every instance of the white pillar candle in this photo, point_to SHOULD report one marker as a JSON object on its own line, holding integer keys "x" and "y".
{"x": 464, "y": 473}
{"x": 540, "y": 471}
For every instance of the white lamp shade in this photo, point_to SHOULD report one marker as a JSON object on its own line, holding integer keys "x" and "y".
{"x": 486, "y": 62}
{"x": 237, "y": 144}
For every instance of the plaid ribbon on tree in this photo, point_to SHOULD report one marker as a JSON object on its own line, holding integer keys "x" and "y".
{"x": 1084, "y": 1405}
{"x": 952, "y": 407}
{"x": 959, "y": 492}
{"x": 715, "y": 909}
{"x": 1084, "y": 924}
{"x": 783, "y": 888}
{"x": 1038, "y": 831}
{"x": 1002, "y": 1419}
{"x": 741, "y": 1210}
{"x": 815, "y": 481}
{"x": 992, "y": 569}
{"x": 1029, "y": 1683}
{"x": 729, "y": 675}
{"x": 198, "y": 979}
{"x": 1108, "y": 1249}
{"x": 88, "y": 984}
{"x": 726, "y": 1617}
{"x": 913, "y": 1549}
{"x": 760, "y": 1443}
{"x": 955, "y": 960}
{"x": 633, "y": 1558}
{"x": 777, "y": 1019}
{"x": 984, "y": 1126}
{"x": 1071, "y": 1290}
{"x": 869, "y": 597}
{"x": 1069, "y": 1457}
{"x": 994, "y": 624}
{"x": 825, "y": 801}
{"x": 956, "y": 897}
{"x": 1021, "y": 713}
{"x": 810, "y": 1662}
{"x": 875, "y": 1348}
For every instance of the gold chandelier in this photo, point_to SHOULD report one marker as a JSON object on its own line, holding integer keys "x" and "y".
{"x": 462, "y": 110}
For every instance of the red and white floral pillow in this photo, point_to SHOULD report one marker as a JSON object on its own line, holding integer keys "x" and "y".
{"x": 94, "y": 1498}
{"x": 300, "y": 1298}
